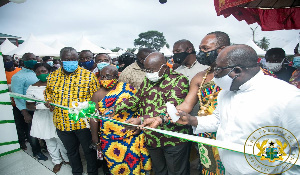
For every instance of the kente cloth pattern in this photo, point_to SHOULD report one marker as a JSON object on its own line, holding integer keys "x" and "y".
{"x": 295, "y": 78}
{"x": 150, "y": 101}
{"x": 267, "y": 72}
{"x": 124, "y": 152}
{"x": 209, "y": 156}
{"x": 63, "y": 89}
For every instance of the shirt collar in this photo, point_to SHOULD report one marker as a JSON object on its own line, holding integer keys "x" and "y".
{"x": 27, "y": 70}
{"x": 253, "y": 81}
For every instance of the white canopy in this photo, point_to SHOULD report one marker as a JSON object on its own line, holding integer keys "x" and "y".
{"x": 108, "y": 50}
{"x": 57, "y": 45}
{"x": 85, "y": 44}
{"x": 7, "y": 46}
{"x": 257, "y": 49}
{"x": 289, "y": 48}
{"x": 114, "y": 54}
{"x": 121, "y": 51}
{"x": 166, "y": 51}
{"x": 34, "y": 46}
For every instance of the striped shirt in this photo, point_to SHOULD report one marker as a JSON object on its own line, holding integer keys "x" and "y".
{"x": 63, "y": 89}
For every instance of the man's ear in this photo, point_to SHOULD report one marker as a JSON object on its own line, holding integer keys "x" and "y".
{"x": 220, "y": 48}
{"x": 237, "y": 70}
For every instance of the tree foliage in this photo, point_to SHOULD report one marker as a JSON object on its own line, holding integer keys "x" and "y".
{"x": 151, "y": 39}
{"x": 131, "y": 50}
{"x": 115, "y": 49}
{"x": 264, "y": 43}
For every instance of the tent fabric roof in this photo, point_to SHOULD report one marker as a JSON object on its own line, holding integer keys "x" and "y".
{"x": 289, "y": 48}
{"x": 7, "y": 46}
{"x": 57, "y": 45}
{"x": 85, "y": 44}
{"x": 34, "y": 46}
{"x": 166, "y": 51}
{"x": 257, "y": 49}
{"x": 2, "y": 35}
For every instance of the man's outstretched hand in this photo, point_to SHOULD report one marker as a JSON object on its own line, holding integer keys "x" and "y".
{"x": 186, "y": 119}
{"x": 153, "y": 122}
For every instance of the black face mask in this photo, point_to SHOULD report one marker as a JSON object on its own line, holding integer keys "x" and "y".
{"x": 8, "y": 65}
{"x": 207, "y": 58}
{"x": 180, "y": 57}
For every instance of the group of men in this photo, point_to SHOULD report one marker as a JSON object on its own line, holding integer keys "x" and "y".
{"x": 248, "y": 100}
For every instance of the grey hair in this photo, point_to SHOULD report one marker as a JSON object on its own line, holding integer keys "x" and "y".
{"x": 66, "y": 49}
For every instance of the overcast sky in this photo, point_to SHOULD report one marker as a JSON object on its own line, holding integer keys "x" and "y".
{"x": 112, "y": 23}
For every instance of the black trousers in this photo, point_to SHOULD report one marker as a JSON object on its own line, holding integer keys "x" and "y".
{"x": 71, "y": 141}
{"x": 171, "y": 160}
{"x": 21, "y": 125}
{"x": 23, "y": 131}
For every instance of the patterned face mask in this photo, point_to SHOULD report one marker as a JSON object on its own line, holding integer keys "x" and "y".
{"x": 108, "y": 84}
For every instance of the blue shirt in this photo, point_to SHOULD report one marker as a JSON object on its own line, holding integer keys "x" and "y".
{"x": 20, "y": 83}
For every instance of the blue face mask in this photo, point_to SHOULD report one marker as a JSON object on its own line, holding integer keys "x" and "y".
{"x": 87, "y": 65}
{"x": 102, "y": 65}
{"x": 50, "y": 63}
{"x": 70, "y": 66}
{"x": 296, "y": 62}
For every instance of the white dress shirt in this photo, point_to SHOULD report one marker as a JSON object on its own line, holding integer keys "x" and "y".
{"x": 261, "y": 101}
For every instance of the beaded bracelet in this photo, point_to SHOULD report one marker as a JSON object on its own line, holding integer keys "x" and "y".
{"x": 164, "y": 120}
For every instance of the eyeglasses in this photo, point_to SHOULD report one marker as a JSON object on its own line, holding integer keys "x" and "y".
{"x": 108, "y": 77}
{"x": 219, "y": 69}
{"x": 151, "y": 71}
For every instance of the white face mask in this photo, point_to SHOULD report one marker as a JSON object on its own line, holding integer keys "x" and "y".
{"x": 224, "y": 82}
{"x": 274, "y": 67}
{"x": 154, "y": 77}
{"x": 50, "y": 63}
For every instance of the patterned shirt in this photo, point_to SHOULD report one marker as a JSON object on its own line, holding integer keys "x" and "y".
{"x": 133, "y": 75}
{"x": 63, "y": 89}
{"x": 150, "y": 101}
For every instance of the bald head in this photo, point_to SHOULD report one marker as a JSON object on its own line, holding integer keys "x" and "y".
{"x": 239, "y": 62}
{"x": 110, "y": 68}
{"x": 109, "y": 72}
{"x": 241, "y": 55}
{"x": 154, "y": 58}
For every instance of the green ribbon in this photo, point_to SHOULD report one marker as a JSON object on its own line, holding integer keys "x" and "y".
{"x": 3, "y": 82}
{"x": 8, "y": 143}
{"x": 87, "y": 112}
{"x": 5, "y": 103}
{"x": 3, "y": 91}
{"x": 9, "y": 152}
{"x": 24, "y": 97}
{"x": 6, "y": 121}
